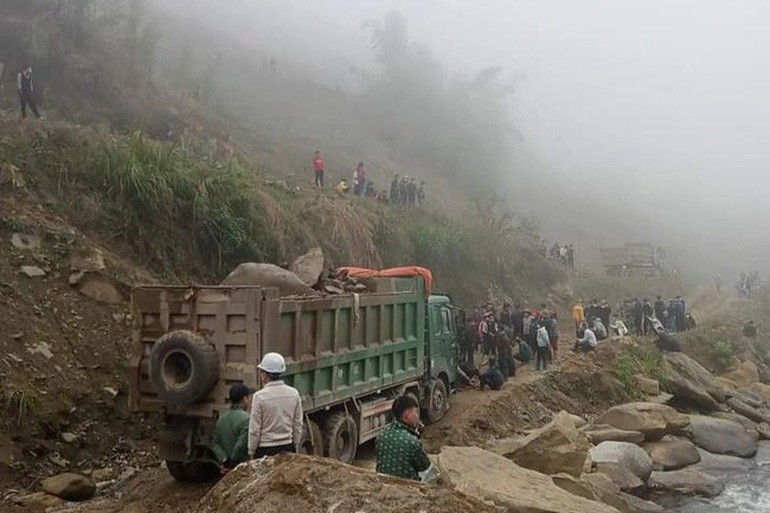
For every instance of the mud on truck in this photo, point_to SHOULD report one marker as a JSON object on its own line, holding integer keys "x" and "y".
{"x": 348, "y": 356}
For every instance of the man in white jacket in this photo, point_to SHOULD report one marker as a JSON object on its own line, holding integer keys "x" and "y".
{"x": 275, "y": 424}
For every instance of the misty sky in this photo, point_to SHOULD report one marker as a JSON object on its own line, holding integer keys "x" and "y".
{"x": 661, "y": 102}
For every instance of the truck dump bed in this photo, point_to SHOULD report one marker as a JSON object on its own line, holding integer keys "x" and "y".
{"x": 335, "y": 347}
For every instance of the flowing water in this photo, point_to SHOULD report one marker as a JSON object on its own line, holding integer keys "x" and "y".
{"x": 744, "y": 493}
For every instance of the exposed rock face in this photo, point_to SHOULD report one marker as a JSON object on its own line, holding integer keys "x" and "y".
{"x": 494, "y": 478}
{"x": 722, "y": 436}
{"x": 268, "y": 275}
{"x": 687, "y": 392}
{"x": 70, "y": 487}
{"x": 599, "y": 487}
{"x": 557, "y": 447}
{"x": 651, "y": 419}
{"x": 629, "y": 456}
{"x": 735, "y": 417}
{"x": 672, "y": 455}
{"x": 309, "y": 266}
{"x": 687, "y": 481}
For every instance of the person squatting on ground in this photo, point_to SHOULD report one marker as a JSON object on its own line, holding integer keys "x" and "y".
{"x": 26, "y": 91}
{"x": 587, "y": 342}
{"x": 231, "y": 434}
{"x": 275, "y": 425}
{"x": 318, "y": 168}
{"x": 398, "y": 447}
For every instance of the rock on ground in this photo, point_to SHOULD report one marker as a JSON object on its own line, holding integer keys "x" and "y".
{"x": 647, "y": 385}
{"x": 682, "y": 365}
{"x": 99, "y": 287}
{"x": 620, "y": 476}
{"x": 25, "y": 241}
{"x": 309, "y": 266}
{"x": 38, "y": 500}
{"x": 687, "y": 392}
{"x": 720, "y": 464}
{"x": 651, "y": 419}
{"x": 268, "y": 275}
{"x": 735, "y": 417}
{"x": 761, "y": 390}
{"x": 750, "y": 412}
{"x": 672, "y": 455}
{"x": 763, "y": 453}
{"x": 627, "y": 455}
{"x": 492, "y": 477}
{"x": 722, "y": 436}
{"x": 70, "y": 486}
{"x": 556, "y": 447}
{"x": 599, "y": 487}
{"x": 602, "y": 433}
{"x": 299, "y": 483}
{"x": 687, "y": 481}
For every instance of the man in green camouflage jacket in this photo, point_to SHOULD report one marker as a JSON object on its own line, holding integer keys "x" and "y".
{"x": 399, "y": 449}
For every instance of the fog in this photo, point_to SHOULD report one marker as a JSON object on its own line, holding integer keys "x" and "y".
{"x": 638, "y": 120}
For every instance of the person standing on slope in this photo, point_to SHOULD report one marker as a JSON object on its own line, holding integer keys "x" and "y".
{"x": 26, "y": 91}
{"x": 318, "y": 168}
{"x": 578, "y": 315}
{"x": 275, "y": 425}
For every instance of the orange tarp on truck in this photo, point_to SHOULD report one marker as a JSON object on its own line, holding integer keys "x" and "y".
{"x": 394, "y": 272}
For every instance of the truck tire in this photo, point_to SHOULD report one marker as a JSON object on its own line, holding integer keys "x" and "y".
{"x": 312, "y": 442}
{"x": 184, "y": 367}
{"x": 436, "y": 400}
{"x": 192, "y": 472}
{"x": 341, "y": 437}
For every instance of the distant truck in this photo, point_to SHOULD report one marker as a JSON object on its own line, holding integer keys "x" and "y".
{"x": 633, "y": 259}
{"x": 349, "y": 356}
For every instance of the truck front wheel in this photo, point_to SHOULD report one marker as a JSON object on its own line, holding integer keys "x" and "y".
{"x": 341, "y": 437}
{"x": 437, "y": 400}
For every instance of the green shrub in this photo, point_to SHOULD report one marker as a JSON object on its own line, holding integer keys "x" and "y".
{"x": 723, "y": 354}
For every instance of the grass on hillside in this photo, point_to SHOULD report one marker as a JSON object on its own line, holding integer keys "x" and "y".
{"x": 191, "y": 219}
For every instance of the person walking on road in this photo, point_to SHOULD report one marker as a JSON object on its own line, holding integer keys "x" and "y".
{"x": 275, "y": 425}
{"x": 318, "y": 167}
{"x": 231, "y": 434}
{"x": 26, "y": 92}
{"x": 398, "y": 446}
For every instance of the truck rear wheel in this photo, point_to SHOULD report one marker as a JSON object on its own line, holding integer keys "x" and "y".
{"x": 437, "y": 400}
{"x": 312, "y": 440}
{"x": 184, "y": 367}
{"x": 341, "y": 437}
{"x": 193, "y": 471}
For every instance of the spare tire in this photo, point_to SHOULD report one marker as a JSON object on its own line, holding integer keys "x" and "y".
{"x": 184, "y": 367}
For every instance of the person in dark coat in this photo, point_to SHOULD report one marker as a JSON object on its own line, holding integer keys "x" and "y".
{"x": 660, "y": 307}
{"x": 394, "y": 199}
{"x": 26, "y": 91}
{"x": 605, "y": 311}
{"x": 649, "y": 312}
{"x": 637, "y": 316}
{"x": 679, "y": 312}
{"x": 492, "y": 378}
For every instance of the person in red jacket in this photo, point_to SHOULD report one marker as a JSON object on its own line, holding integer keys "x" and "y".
{"x": 318, "y": 167}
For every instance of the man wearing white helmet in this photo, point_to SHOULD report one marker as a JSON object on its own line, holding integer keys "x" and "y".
{"x": 275, "y": 424}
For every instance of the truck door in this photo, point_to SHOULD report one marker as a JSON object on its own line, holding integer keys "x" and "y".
{"x": 442, "y": 341}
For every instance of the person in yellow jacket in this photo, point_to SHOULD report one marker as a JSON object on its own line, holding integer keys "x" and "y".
{"x": 578, "y": 315}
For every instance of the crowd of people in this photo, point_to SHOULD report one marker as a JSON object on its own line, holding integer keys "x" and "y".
{"x": 747, "y": 281}
{"x": 404, "y": 191}
{"x": 564, "y": 255}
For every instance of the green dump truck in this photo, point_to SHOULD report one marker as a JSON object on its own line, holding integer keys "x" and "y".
{"x": 348, "y": 356}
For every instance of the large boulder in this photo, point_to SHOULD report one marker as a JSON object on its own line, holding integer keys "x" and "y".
{"x": 721, "y": 464}
{"x": 735, "y": 417}
{"x": 722, "y": 436}
{"x": 309, "y": 266}
{"x": 761, "y": 390}
{"x": 679, "y": 364}
{"x": 750, "y": 412}
{"x": 268, "y": 276}
{"x": 672, "y": 455}
{"x": 646, "y": 385}
{"x": 688, "y": 393}
{"x": 763, "y": 453}
{"x": 495, "y": 478}
{"x": 100, "y": 287}
{"x": 556, "y": 447}
{"x": 687, "y": 481}
{"x": 653, "y": 420}
{"x": 624, "y": 454}
{"x": 599, "y": 433}
{"x": 70, "y": 487}
{"x": 609, "y": 493}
